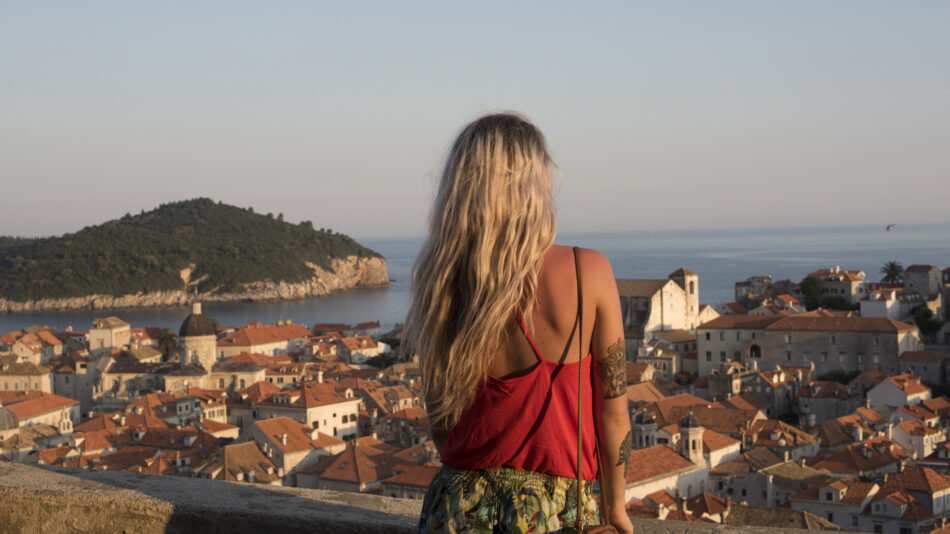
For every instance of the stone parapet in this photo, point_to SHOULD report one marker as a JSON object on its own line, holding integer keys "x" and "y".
{"x": 37, "y": 499}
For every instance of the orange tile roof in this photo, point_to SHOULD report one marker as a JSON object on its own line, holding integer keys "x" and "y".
{"x": 921, "y": 356}
{"x": 33, "y": 407}
{"x": 908, "y": 383}
{"x": 863, "y": 456}
{"x": 839, "y": 324}
{"x": 714, "y": 441}
{"x": 654, "y": 461}
{"x": 298, "y": 436}
{"x": 413, "y": 475}
{"x": 361, "y": 464}
{"x": 258, "y": 334}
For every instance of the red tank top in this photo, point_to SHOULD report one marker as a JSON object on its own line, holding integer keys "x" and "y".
{"x": 527, "y": 422}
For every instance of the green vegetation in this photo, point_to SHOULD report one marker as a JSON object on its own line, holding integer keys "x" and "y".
{"x": 838, "y": 375}
{"x": 893, "y": 272}
{"x": 926, "y": 322}
{"x": 810, "y": 287}
{"x": 230, "y": 246}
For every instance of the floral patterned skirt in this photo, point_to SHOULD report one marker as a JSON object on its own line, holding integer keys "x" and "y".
{"x": 503, "y": 500}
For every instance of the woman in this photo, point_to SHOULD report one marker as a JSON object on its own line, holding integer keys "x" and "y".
{"x": 494, "y": 320}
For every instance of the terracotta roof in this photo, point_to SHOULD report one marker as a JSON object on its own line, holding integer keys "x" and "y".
{"x": 872, "y": 377}
{"x": 640, "y": 288}
{"x": 663, "y": 409}
{"x": 908, "y": 383}
{"x": 413, "y": 475}
{"x": 714, "y": 441}
{"x": 870, "y": 415}
{"x": 739, "y": 321}
{"x": 674, "y": 336}
{"x": 37, "y": 405}
{"x": 839, "y": 324}
{"x": 706, "y": 503}
{"x": 921, "y": 356}
{"x": 862, "y": 456}
{"x": 777, "y": 518}
{"x": 23, "y": 369}
{"x": 239, "y": 459}
{"x": 916, "y": 428}
{"x": 654, "y": 461}
{"x": 362, "y": 464}
{"x": 747, "y": 462}
{"x": 299, "y": 437}
{"x": 916, "y": 478}
{"x": 258, "y": 334}
{"x": 917, "y": 268}
{"x": 644, "y": 392}
{"x": 778, "y": 434}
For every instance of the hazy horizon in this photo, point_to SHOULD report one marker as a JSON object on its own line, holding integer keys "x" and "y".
{"x": 661, "y": 116}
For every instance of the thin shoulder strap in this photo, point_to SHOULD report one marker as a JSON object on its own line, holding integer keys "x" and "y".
{"x": 579, "y": 518}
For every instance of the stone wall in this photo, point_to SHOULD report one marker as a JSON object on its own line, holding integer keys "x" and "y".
{"x": 37, "y": 499}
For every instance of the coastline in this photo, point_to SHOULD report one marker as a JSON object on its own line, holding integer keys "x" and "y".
{"x": 347, "y": 274}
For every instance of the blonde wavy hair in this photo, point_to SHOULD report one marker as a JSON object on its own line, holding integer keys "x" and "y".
{"x": 492, "y": 222}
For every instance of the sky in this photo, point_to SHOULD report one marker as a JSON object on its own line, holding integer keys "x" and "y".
{"x": 662, "y": 115}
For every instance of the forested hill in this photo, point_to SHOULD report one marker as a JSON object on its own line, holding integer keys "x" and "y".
{"x": 227, "y": 245}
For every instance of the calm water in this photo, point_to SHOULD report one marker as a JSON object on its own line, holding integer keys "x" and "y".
{"x": 720, "y": 257}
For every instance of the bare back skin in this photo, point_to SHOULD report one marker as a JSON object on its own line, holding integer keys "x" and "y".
{"x": 555, "y": 313}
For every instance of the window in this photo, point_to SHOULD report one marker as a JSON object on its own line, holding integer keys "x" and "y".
{"x": 788, "y": 356}
{"x": 875, "y": 341}
{"x": 831, "y": 517}
{"x": 905, "y": 530}
{"x": 753, "y": 335}
{"x": 722, "y": 336}
{"x": 828, "y": 496}
{"x": 708, "y": 356}
{"x": 743, "y": 491}
{"x": 220, "y": 383}
{"x": 722, "y": 355}
{"x": 824, "y": 356}
{"x": 879, "y": 528}
{"x": 707, "y": 336}
{"x": 854, "y": 520}
{"x": 860, "y": 358}
{"x": 788, "y": 338}
{"x": 874, "y": 358}
{"x": 738, "y": 336}
{"x": 842, "y": 357}
{"x": 834, "y": 340}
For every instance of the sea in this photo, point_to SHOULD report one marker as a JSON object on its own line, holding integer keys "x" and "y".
{"x": 720, "y": 257}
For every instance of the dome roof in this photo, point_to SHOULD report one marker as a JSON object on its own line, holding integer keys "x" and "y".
{"x": 197, "y": 324}
{"x": 644, "y": 418}
{"x": 690, "y": 421}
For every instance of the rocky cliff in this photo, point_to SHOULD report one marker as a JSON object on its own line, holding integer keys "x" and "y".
{"x": 350, "y": 273}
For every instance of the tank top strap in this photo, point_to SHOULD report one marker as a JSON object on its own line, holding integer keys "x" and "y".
{"x": 524, "y": 330}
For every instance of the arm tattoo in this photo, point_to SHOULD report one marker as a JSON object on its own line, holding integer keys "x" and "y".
{"x": 625, "y": 447}
{"x": 613, "y": 371}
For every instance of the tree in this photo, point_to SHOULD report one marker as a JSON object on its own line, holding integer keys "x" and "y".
{"x": 926, "y": 322}
{"x": 810, "y": 287}
{"x": 167, "y": 342}
{"x": 893, "y": 272}
{"x": 834, "y": 302}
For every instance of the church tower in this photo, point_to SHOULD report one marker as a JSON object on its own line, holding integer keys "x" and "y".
{"x": 198, "y": 340}
{"x": 644, "y": 430}
{"x": 689, "y": 282}
{"x": 691, "y": 439}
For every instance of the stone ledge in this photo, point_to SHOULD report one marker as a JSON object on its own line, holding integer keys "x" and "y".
{"x": 41, "y": 500}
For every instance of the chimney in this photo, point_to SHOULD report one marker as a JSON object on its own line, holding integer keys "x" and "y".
{"x": 196, "y": 308}
{"x": 319, "y": 377}
{"x": 801, "y": 462}
{"x": 374, "y": 432}
{"x": 785, "y": 455}
{"x": 283, "y": 439}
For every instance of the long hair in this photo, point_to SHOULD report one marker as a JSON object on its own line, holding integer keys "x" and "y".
{"x": 491, "y": 224}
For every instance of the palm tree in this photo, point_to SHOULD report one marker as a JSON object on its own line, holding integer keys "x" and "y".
{"x": 167, "y": 342}
{"x": 893, "y": 272}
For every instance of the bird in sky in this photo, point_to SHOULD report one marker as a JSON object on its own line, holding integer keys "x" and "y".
{"x": 890, "y": 227}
